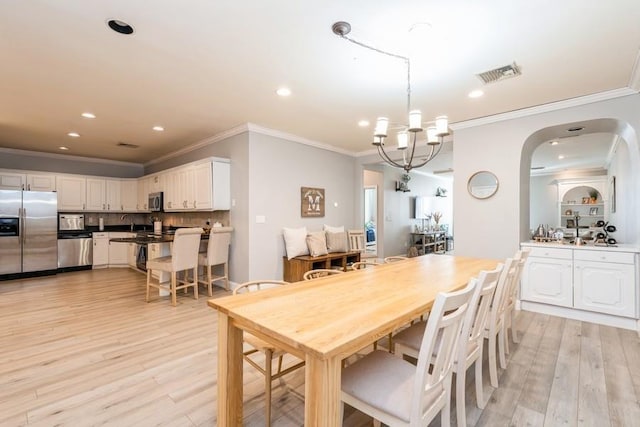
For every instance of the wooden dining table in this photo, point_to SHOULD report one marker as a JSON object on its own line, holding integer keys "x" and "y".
{"x": 325, "y": 320}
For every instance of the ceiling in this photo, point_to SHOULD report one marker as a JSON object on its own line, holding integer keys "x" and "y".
{"x": 203, "y": 67}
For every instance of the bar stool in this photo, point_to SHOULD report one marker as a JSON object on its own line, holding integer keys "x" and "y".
{"x": 217, "y": 254}
{"x": 184, "y": 257}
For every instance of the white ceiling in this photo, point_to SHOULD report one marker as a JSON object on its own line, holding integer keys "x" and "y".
{"x": 202, "y": 67}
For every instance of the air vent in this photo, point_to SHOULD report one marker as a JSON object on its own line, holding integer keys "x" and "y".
{"x": 127, "y": 145}
{"x": 500, "y": 73}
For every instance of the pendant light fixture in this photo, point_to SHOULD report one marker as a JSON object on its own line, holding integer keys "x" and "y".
{"x": 408, "y": 135}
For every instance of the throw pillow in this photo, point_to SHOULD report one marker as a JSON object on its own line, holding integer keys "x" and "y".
{"x": 334, "y": 229}
{"x": 295, "y": 242}
{"x": 337, "y": 242}
{"x": 316, "y": 243}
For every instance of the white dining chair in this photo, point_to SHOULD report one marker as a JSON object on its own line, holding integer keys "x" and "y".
{"x": 257, "y": 345}
{"x": 408, "y": 341}
{"x": 494, "y": 329}
{"x": 183, "y": 258}
{"x": 356, "y": 240}
{"x": 512, "y": 298}
{"x": 396, "y": 392}
{"x": 217, "y": 254}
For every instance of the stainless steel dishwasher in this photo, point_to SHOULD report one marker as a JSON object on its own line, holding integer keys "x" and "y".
{"x": 75, "y": 245}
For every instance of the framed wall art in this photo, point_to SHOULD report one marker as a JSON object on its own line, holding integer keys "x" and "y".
{"x": 312, "y": 202}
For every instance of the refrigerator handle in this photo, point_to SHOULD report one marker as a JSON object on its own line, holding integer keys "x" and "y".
{"x": 21, "y": 226}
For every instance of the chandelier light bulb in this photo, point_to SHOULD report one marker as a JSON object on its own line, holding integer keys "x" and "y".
{"x": 432, "y": 136}
{"x": 442, "y": 125}
{"x": 415, "y": 121}
{"x": 381, "y": 127}
{"x": 403, "y": 140}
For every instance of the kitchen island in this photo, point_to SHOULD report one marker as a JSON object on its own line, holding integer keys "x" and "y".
{"x": 597, "y": 284}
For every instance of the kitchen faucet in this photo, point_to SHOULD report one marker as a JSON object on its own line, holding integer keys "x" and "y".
{"x": 123, "y": 216}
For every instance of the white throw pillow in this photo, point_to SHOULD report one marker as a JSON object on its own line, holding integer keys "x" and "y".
{"x": 337, "y": 242}
{"x": 295, "y": 241}
{"x": 317, "y": 243}
{"x": 331, "y": 229}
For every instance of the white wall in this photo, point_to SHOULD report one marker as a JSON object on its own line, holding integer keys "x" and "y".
{"x": 396, "y": 220}
{"x": 235, "y": 148}
{"x": 277, "y": 170}
{"x": 493, "y": 228}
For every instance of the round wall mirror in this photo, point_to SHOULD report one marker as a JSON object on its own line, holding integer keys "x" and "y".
{"x": 482, "y": 185}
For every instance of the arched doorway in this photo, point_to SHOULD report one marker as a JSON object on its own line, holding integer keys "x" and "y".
{"x": 627, "y": 175}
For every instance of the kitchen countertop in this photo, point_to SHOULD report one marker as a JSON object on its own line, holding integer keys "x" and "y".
{"x": 620, "y": 247}
{"x": 143, "y": 238}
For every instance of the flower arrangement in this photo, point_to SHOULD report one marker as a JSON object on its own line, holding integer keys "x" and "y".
{"x": 436, "y": 217}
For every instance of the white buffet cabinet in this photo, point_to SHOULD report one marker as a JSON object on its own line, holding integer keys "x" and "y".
{"x": 589, "y": 283}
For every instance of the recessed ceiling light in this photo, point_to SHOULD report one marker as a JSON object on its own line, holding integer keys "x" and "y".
{"x": 120, "y": 26}
{"x": 284, "y": 91}
{"x": 476, "y": 93}
{"x": 560, "y": 157}
{"x": 554, "y": 143}
{"x": 73, "y": 134}
{"x": 363, "y": 123}
{"x": 158, "y": 128}
{"x": 88, "y": 115}
{"x": 63, "y": 148}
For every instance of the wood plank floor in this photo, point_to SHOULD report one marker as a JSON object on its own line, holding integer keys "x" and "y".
{"x": 84, "y": 349}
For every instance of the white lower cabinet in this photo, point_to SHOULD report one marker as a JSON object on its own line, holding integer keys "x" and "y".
{"x": 605, "y": 287}
{"x": 598, "y": 281}
{"x": 548, "y": 280}
{"x": 100, "y": 250}
{"x": 119, "y": 252}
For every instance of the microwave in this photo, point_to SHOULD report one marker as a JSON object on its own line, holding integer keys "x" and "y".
{"x": 155, "y": 202}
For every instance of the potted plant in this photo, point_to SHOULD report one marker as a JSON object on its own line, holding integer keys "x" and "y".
{"x": 593, "y": 194}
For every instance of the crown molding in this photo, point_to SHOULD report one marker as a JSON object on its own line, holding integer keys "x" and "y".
{"x": 67, "y": 157}
{"x": 249, "y": 127}
{"x": 300, "y": 140}
{"x": 202, "y": 143}
{"x": 544, "y": 108}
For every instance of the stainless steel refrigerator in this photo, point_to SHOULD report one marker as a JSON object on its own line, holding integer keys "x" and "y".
{"x": 28, "y": 232}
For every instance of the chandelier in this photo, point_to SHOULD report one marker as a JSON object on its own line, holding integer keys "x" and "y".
{"x": 408, "y": 133}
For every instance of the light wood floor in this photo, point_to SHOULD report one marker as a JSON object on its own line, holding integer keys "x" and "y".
{"x": 83, "y": 348}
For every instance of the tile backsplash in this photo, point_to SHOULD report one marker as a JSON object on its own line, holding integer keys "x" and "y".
{"x": 169, "y": 219}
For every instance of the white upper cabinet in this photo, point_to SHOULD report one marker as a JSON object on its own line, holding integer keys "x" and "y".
{"x": 96, "y": 195}
{"x": 129, "y": 195}
{"x": 72, "y": 193}
{"x": 41, "y": 182}
{"x": 12, "y": 181}
{"x": 221, "y": 185}
{"x": 143, "y": 194}
{"x": 29, "y": 182}
{"x": 204, "y": 185}
{"x": 113, "y": 198}
{"x": 199, "y": 186}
